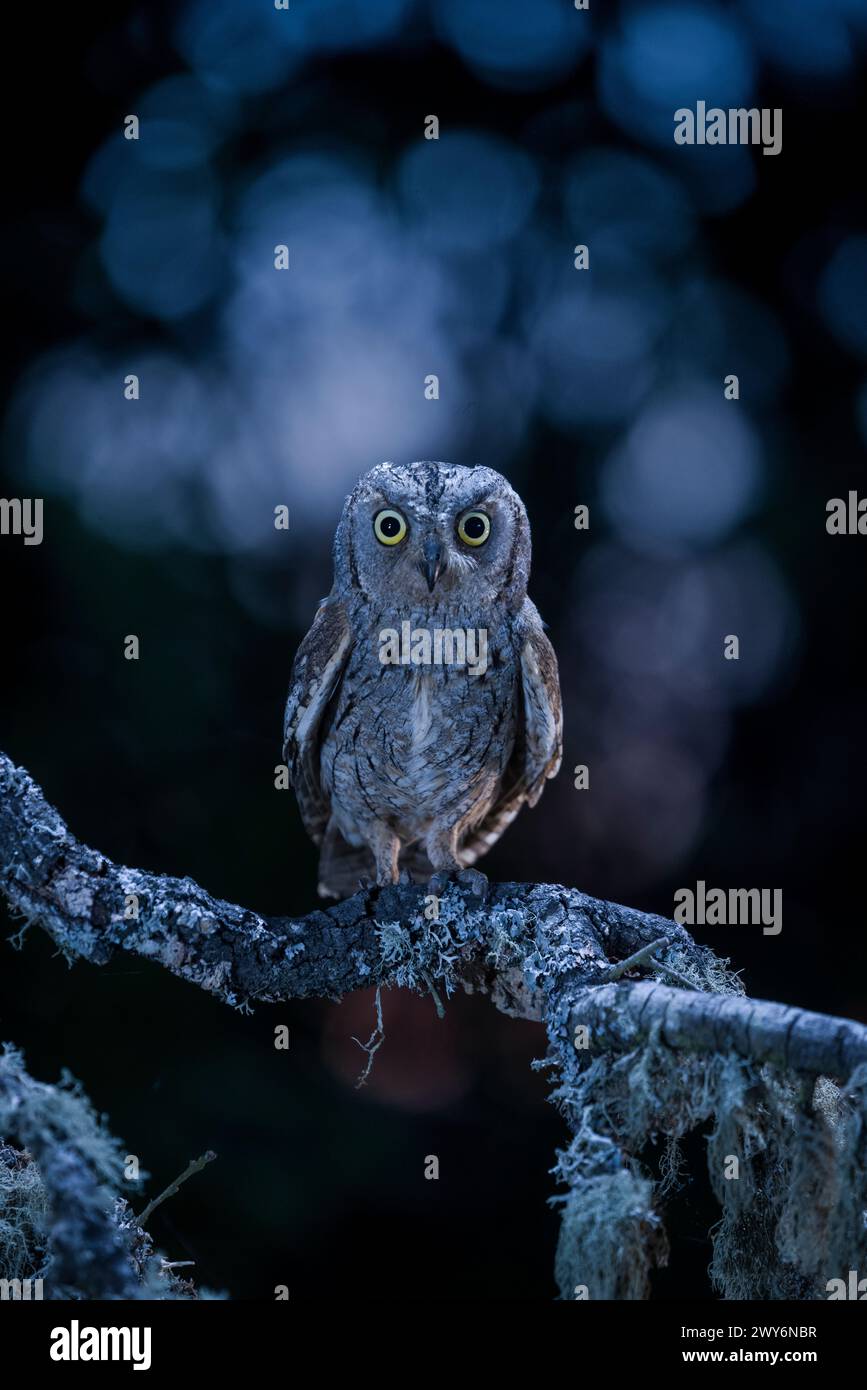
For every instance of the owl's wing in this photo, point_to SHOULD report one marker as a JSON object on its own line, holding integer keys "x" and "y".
{"x": 316, "y": 673}
{"x": 539, "y": 740}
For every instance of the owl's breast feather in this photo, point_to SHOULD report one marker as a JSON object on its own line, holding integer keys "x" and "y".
{"x": 413, "y": 743}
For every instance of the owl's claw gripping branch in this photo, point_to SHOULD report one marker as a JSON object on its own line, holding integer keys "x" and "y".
{"x": 635, "y": 1059}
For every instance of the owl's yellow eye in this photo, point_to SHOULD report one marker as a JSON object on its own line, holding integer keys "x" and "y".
{"x": 389, "y": 527}
{"x": 474, "y": 528}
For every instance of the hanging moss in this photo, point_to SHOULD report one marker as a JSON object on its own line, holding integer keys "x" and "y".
{"x": 610, "y": 1234}
{"x": 786, "y": 1165}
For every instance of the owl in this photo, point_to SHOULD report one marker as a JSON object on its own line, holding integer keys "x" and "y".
{"x": 424, "y": 706}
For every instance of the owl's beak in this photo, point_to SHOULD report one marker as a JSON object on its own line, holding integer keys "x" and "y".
{"x": 431, "y": 565}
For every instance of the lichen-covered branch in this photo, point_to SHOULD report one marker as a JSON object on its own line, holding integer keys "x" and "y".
{"x": 635, "y": 1057}
{"x": 66, "y": 1229}
{"x": 513, "y": 945}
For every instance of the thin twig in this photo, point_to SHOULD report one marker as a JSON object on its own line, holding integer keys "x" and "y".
{"x": 645, "y": 957}
{"x": 438, "y": 1003}
{"x": 195, "y": 1167}
{"x": 614, "y": 972}
{"x": 371, "y": 1047}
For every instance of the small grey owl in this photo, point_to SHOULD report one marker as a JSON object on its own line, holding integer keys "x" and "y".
{"x": 424, "y": 707}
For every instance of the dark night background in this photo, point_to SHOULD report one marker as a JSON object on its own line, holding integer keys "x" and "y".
{"x": 605, "y": 389}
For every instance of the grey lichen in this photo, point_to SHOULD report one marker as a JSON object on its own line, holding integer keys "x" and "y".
{"x": 441, "y": 947}
{"x": 611, "y": 1234}
{"x": 790, "y": 1175}
{"x": 63, "y": 1218}
{"x": 23, "y": 1215}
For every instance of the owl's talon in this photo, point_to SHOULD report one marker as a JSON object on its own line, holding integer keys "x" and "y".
{"x": 476, "y": 881}
{"x": 473, "y": 879}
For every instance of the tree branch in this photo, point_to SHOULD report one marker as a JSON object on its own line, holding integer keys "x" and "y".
{"x": 512, "y": 945}
{"x": 542, "y": 952}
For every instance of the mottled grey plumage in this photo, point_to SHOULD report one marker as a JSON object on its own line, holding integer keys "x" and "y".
{"x": 421, "y": 767}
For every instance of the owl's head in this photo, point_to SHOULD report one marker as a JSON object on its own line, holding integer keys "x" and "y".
{"x": 434, "y": 534}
